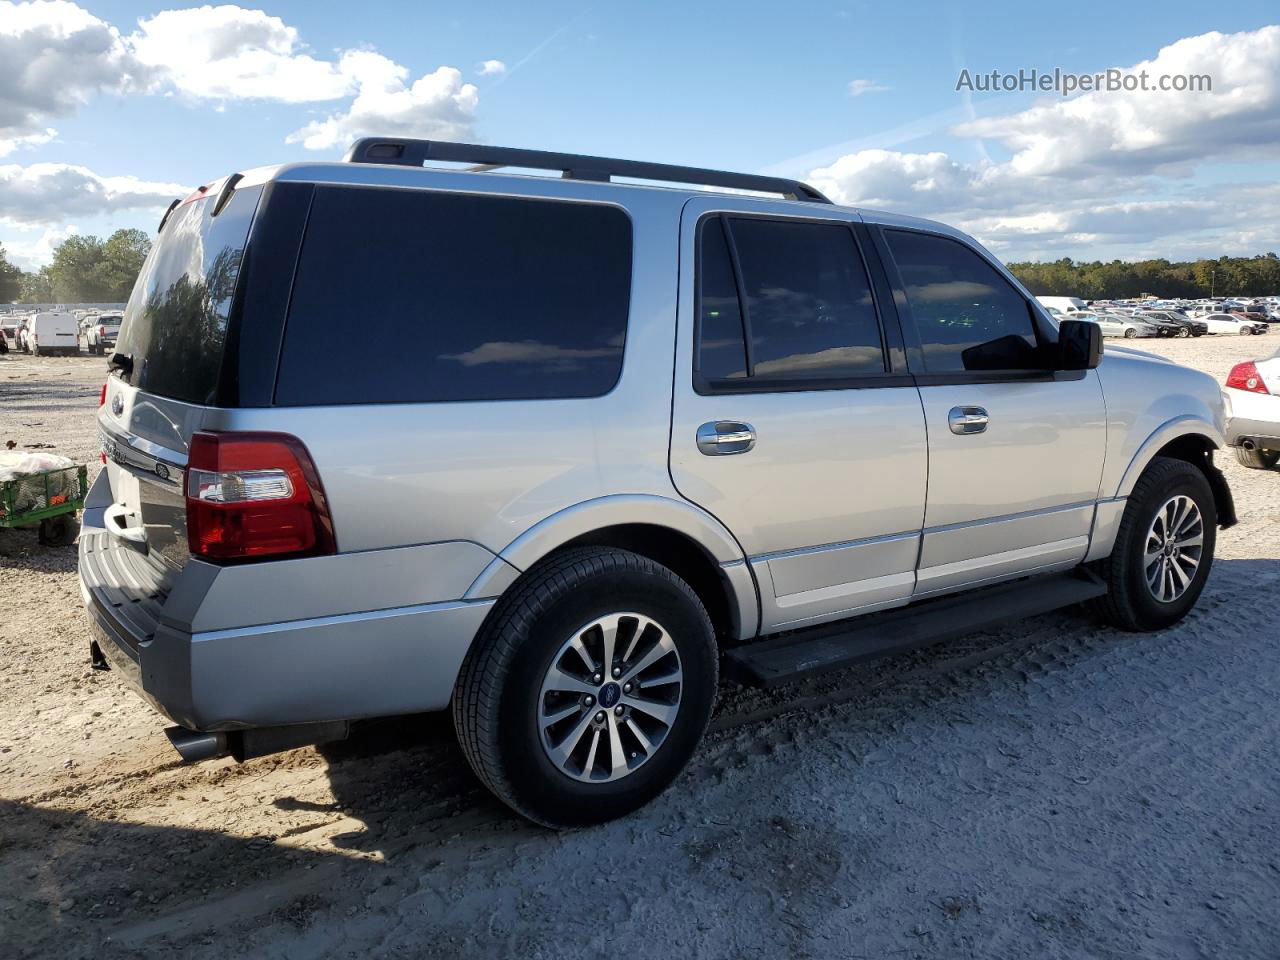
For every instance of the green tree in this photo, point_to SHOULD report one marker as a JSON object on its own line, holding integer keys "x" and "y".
{"x": 122, "y": 258}
{"x": 37, "y": 287}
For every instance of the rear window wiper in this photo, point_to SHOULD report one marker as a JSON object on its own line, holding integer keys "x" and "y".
{"x": 122, "y": 362}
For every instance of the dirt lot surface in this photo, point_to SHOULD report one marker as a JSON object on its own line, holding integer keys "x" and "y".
{"x": 1052, "y": 789}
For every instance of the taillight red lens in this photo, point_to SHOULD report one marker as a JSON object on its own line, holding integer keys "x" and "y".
{"x": 1245, "y": 376}
{"x": 102, "y": 397}
{"x": 252, "y": 495}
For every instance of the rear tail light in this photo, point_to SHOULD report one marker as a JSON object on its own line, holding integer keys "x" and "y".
{"x": 253, "y": 495}
{"x": 1245, "y": 376}
{"x": 102, "y": 331}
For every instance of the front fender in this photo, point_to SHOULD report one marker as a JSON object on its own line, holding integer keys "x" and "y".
{"x": 1164, "y": 434}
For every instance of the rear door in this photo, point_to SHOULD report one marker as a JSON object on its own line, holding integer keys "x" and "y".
{"x": 794, "y": 419}
{"x": 173, "y": 341}
{"x": 1015, "y": 449}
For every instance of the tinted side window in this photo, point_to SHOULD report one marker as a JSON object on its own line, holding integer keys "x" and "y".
{"x": 968, "y": 316}
{"x": 405, "y": 297}
{"x": 722, "y": 352}
{"x": 809, "y": 307}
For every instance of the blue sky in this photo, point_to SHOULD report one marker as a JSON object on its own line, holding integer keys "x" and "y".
{"x": 740, "y": 86}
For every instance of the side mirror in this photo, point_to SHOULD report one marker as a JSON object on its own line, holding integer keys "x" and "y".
{"x": 1079, "y": 345}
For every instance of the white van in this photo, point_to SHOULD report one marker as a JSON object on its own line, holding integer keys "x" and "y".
{"x": 52, "y": 333}
{"x": 1063, "y": 304}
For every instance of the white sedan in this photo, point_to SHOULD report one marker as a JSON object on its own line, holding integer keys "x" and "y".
{"x": 1226, "y": 323}
{"x": 1252, "y": 396}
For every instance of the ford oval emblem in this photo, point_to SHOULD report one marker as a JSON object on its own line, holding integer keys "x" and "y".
{"x": 117, "y": 405}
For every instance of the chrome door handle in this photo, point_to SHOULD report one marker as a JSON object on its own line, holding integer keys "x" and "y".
{"x": 720, "y": 438}
{"x": 964, "y": 420}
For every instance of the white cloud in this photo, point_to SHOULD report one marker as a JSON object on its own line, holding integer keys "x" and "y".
{"x": 491, "y": 68}
{"x": 50, "y": 193}
{"x": 1150, "y": 131}
{"x": 858, "y": 87}
{"x": 34, "y": 253}
{"x": 18, "y": 141}
{"x": 53, "y": 57}
{"x": 1103, "y": 171}
{"x": 438, "y": 105}
{"x": 228, "y": 52}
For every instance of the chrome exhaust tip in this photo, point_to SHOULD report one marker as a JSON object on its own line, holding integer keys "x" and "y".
{"x": 1247, "y": 444}
{"x": 194, "y": 747}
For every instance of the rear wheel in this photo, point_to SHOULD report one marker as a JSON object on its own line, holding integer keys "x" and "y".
{"x": 1163, "y": 550}
{"x": 1257, "y": 459}
{"x": 588, "y": 689}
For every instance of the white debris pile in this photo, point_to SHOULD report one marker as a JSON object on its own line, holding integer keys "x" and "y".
{"x": 14, "y": 464}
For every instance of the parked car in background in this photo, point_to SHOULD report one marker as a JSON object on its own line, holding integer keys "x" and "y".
{"x": 551, "y": 516}
{"x": 1229, "y": 323}
{"x": 100, "y": 335}
{"x": 1252, "y": 396}
{"x": 50, "y": 333}
{"x": 1188, "y": 327}
{"x": 1063, "y": 304}
{"x": 1163, "y": 327}
{"x": 1116, "y": 325}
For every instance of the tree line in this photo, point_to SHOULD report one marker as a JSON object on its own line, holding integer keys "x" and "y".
{"x": 84, "y": 269}
{"x": 1121, "y": 280}
{"x": 87, "y": 269}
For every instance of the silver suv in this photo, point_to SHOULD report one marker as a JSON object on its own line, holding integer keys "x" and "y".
{"x": 593, "y": 444}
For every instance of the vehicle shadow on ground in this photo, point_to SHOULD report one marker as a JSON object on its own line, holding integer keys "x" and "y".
{"x": 76, "y": 886}
{"x": 387, "y": 760}
{"x": 21, "y": 549}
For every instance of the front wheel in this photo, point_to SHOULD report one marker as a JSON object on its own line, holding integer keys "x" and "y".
{"x": 588, "y": 689}
{"x": 1183, "y": 332}
{"x": 1163, "y": 550}
{"x": 1130, "y": 333}
{"x": 1245, "y": 331}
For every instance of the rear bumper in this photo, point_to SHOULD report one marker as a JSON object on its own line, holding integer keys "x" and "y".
{"x": 170, "y": 638}
{"x": 1252, "y": 416}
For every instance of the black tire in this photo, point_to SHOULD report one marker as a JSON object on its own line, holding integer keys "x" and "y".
{"x": 35, "y": 351}
{"x": 1129, "y": 604}
{"x": 57, "y": 531}
{"x": 1130, "y": 333}
{"x": 1257, "y": 459}
{"x": 1183, "y": 332}
{"x": 496, "y": 700}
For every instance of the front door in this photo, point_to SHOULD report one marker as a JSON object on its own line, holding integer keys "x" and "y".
{"x": 1015, "y": 450}
{"x": 795, "y": 421}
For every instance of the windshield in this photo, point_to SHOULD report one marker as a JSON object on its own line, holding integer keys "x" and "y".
{"x": 175, "y": 325}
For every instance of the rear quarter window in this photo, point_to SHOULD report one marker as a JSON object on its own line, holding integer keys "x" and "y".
{"x": 418, "y": 296}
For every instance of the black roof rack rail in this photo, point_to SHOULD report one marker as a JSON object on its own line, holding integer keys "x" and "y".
{"x": 413, "y": 153}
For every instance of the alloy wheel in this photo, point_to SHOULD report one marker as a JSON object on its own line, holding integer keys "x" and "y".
{"x": 1174, "y": 544}
{"x": 610, "y": 697}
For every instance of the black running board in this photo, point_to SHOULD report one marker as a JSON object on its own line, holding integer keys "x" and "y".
{"x": 834, "y": 646}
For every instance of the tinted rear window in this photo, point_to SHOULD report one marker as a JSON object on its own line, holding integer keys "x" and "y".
{"x": 175, "y": 326}
{"x": 405, "y": 297}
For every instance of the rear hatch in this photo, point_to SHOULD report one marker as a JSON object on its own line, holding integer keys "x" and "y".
{"x": 167, "y": 366}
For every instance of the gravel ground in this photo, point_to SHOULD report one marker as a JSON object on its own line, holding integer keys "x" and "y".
{"x": 1052, "y": 789}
